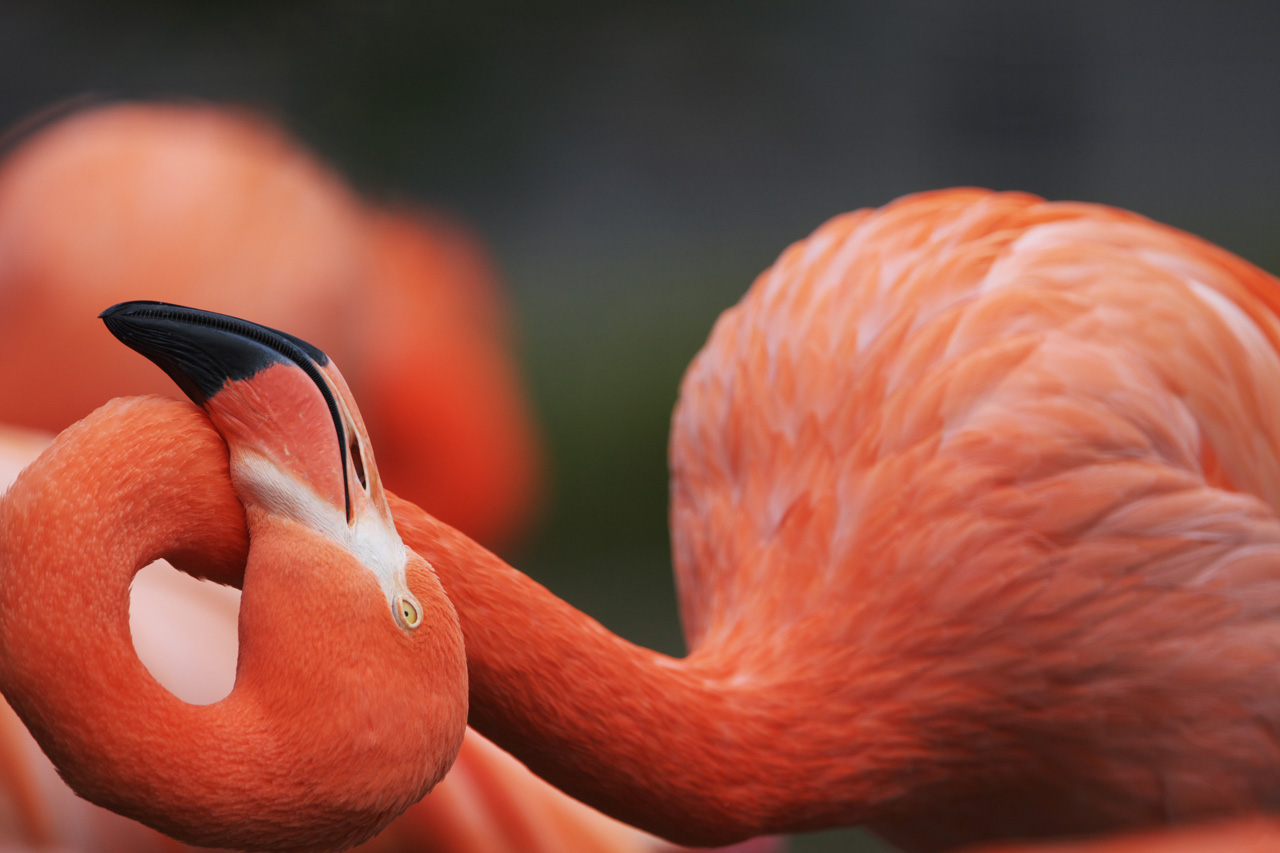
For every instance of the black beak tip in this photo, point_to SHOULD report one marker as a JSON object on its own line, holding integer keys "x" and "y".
{"x": 123, "y": 316}
{"x": 202, "y": 350}
{"x": 125, "y": 308}
{"x": 199, "y": 350}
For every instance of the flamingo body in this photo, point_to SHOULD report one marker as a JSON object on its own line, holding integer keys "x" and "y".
{"x": 220, "y": 207}
{"x": 1017, "y": 464}
{"x": 149, "y": 200}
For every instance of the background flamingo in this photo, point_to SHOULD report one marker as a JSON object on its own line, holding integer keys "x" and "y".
{"x": 1027, "y": 593}
{"x": 218, "y": 207}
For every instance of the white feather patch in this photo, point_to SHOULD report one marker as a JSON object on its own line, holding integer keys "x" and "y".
{"x": 372, "y": 540}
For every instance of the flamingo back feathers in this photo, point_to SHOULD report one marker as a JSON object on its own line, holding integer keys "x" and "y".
{"x": 216, "y": 205}
{"x": 993, "y": 453}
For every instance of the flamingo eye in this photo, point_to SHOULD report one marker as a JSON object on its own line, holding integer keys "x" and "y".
{"x": 408, "y": 613}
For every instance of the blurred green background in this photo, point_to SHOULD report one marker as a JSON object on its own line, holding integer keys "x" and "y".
{"x": 634, "y": 165}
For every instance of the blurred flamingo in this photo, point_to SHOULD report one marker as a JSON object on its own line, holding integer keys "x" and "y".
{"x": 218, "y": 207}
{"x": 974, "y": 518}
{"x": 437, "y": 381}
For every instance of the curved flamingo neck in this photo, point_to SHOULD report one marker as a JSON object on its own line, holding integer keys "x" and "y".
{"x": 688, "y": 749}
{"x": 268, "y": 767}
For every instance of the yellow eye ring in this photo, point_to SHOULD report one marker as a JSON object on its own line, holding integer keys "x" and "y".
{"x": 407, "y": 611}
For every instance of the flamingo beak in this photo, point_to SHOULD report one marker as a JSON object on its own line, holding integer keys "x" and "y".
{"x": 249, "y": 378}
{"x": 201, "y": 350}
{"x": 297, "y": 444}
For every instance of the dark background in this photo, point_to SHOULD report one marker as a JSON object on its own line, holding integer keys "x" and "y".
{"x": 634, "y": 166}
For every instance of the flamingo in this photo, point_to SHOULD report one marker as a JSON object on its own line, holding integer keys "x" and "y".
{"x": 218, "y": 206}
{"x": 350, "y": 696}
{"x": 973, "y": 514}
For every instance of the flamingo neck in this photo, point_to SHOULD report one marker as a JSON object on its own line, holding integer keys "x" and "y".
{"x": 688, "y": 749}
{"x": 263, "y": 768}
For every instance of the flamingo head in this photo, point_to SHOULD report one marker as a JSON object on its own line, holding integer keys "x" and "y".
{"x": 298, "y": 446}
